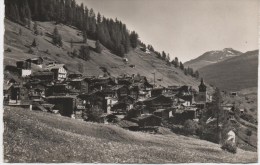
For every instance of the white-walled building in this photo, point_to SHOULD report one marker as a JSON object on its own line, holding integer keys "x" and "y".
{"x": 59, "y": 70}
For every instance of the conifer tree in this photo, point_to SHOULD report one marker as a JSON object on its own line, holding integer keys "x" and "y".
{"x": 163, "y": 55}
{"x": 20, "y": 32}
{"x": 197, "y": 75}
{"x": 84, "y": 34}
{"x": 98, "y": 18}
{"x": 56, "y": 38}
{"x": 34, "y": 44}
{"x": 176, "y": 63}
{"x": 98, "y": 47}
{"x": 133, "y": 39}
{"x": 35, "y": 28}
{"x": 181, "y": 66}
{"x": 71, "y": 43}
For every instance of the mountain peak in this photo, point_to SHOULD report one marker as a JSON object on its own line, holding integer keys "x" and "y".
{"x": 212, "y": 57}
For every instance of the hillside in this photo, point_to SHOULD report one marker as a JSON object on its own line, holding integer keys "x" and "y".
{"x": 212, "y": 57}
{"x": 233, "y": 74}
{"x": 43, "y": 137}
{"x": 145, "y": 64}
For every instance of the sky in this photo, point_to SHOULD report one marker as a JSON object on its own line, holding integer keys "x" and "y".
{"x": 187, "y": 28}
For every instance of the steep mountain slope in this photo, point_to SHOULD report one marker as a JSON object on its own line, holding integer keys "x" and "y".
{"x": 145, "y": 64}
{"x": 42, "y": 137}
{"x": 233, "y": 74}
{"x": 212, "y": 57}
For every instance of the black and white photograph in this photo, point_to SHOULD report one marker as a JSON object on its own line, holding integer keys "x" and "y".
{"x": 130, "y": 81}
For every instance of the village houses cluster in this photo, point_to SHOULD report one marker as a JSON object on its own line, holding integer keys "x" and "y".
{"x": 128, "y": 100}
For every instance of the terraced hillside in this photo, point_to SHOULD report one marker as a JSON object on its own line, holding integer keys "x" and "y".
{"x": 43, "y": 137}
{"x": 145, "y": 64}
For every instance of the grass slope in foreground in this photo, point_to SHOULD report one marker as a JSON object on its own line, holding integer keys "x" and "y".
{"x": 40, "y": 137}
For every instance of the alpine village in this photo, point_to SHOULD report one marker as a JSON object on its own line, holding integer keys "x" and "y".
{"x": 80, "y": 87}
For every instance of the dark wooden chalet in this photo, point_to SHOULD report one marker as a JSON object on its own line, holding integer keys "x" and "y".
{"x": 37, "y": 61}
{"x": 65, "y": 104}
{"x": 123, "y": 105}
{"x": 159, "y": 102}
{"x": 11, "y": 93}
{"x": 157, "y": 92}
{"x": 94, "y": 98}
{"x": 120, "y": 90}
{"x": 56, "y": 89}
{"x": 128, "y": 125}
{"x": 74, "y": 75}
{"x": 79, "y": 84}
{"x": 23, "y": 65}
{"x": 100, "y": 83}
{"x": 163, "y": 113}
{"x": 45, "y": 76}
{"x": 147, "y": 120}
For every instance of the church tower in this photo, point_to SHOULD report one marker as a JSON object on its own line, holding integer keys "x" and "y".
{"x": 202, "y": 97}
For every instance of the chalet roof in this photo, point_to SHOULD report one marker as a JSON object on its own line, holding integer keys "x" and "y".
{"x": 190, "y": 108}
{"x": 116, "y": 87}
{"x": 154, "y": 98}
{"x": 126, "y": 124}
{"x": 55, "y": 66}
{"x": 63, "y": 97}
{"x": 41, "y": 73}
{"x": 160, "y": 110}
{"x": 143, "y": 117}
{"x": 48, "y": 105}
{"x": 34, "y": 59}
{"x": 6, "y": 86}
{"x": 78, "y": 79}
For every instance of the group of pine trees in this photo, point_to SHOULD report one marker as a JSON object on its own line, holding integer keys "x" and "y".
{"x": 113, "y": 34}
{"x": 187, "y": 71}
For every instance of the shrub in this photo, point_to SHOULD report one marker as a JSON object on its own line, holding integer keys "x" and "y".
{"x": 8, "y": 50}
{"x": 93, "y": 114}
{"x": 229, "y": 146}
{"x": 190, "y": 127}
{"x": 31, "y": 51}
{"x": 34, "y": 44}
{"x": 98, "y": 47}
{"x": 248, "y": 118}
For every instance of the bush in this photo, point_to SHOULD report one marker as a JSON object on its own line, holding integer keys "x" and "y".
{"x": 190, "y": 127}
{"x": 229, "y": 146}
{"x": 98, "y": 47}
{"x": 31, "y": 51}
{"x": 8, "y": 50}
{"x": 93, "y": 114}
{"x": 248, "y": 118}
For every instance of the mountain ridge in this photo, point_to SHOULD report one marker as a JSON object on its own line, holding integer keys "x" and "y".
{"x": 236, "y": 73}
{"x": 211, "y": 57}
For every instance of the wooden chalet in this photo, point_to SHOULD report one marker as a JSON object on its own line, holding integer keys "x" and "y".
{"x": 159, "y": 102}
{"x": 60, "y": 71}
{"x": 79, "y": 84}
{"x": 163, "y": 113}
{"x": 37, "y": 61}
{"x": 147, "y": 120}
{"x": 74, "y": 75}
{"x": 44, "y": 76}
{"x": 65, "y": 104}
{"x": 157, "y": 91}
{"x": 100, "y": 83}
{"x": 123, "y": 105}
{"x": 120, "y": 90}
{"x": 24, "y": 68}
{"x": 126, "y": 124}
{"x": 56, "y": 89}
{"x": 11, "y": 93}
